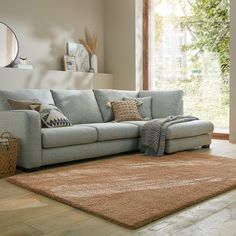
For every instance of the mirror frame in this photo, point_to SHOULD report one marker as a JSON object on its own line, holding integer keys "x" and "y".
{"x": 18, "y": 45}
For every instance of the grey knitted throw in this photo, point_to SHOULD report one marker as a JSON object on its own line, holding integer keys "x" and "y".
{"x": 153, "y": 137}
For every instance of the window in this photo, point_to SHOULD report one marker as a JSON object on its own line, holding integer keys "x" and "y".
{"x": 190, "y": 51}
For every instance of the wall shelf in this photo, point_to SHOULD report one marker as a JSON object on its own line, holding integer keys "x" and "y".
{"x": 12, "y": 78}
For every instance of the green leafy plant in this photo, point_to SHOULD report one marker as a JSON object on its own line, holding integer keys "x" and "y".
{"x": 209, "y": 25}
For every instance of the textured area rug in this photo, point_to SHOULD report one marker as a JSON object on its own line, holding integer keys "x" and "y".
{"x": 135, "y": 190}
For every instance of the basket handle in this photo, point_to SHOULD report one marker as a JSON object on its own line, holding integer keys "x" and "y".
{"x": 5, "y": 135}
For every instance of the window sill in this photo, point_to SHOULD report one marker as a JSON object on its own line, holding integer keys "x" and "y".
{"x": 222, "y": 134}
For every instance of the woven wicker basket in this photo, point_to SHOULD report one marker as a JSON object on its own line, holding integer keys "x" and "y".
{"x": 8, "y": 154}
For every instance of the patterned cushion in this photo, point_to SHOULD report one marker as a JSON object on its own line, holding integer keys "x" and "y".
{"x": 51, "y": 116}
{"x": 144, "y": 106}
{"x": 126, "y": 110}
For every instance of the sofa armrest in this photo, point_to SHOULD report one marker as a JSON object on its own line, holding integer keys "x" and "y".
{"x": 25, "y": 125}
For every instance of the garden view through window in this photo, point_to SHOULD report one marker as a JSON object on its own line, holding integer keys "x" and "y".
{"x": 190, "y": 51}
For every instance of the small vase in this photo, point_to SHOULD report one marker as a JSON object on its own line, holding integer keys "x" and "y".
{"x": 94, "y": 63}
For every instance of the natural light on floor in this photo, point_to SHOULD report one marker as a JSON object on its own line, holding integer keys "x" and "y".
{"x": 190, "y": 51}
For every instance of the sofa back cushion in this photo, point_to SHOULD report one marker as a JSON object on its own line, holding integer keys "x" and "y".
{"x": 104, "y": 96}
{"x": 44, "y": 96}
{"x": 79, "y": 106}
{"x": 164, "y": 103}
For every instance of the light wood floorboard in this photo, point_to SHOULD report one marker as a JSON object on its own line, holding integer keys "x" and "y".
{"x": 23, "y": 213}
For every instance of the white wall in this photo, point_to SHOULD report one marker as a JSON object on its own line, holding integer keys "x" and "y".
{"x": 233, "y": 74}
{"x": 120, "y": 42}
{"x": 44, "y": 26}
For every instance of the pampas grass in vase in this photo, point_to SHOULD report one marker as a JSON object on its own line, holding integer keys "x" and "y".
{"x": 90, "y": 43}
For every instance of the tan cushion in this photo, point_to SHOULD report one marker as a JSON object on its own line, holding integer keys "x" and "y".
{"x": 126, "y": 110}
{"x": 22, "y": 104}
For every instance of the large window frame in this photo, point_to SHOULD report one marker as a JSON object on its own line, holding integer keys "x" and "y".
{"x": 147, "y": 57}
{"x": 146, "y": 44}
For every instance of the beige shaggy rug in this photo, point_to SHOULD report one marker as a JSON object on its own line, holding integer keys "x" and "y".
{"x": 135, "y": 190}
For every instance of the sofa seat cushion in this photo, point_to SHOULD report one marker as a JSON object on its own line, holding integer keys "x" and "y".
{"x": 68, "y": 136}
{"x": 139, "y": 124}
{"x": 189, "y": 129}
{"x": 113, "y": 131}
{"x": 181, "y": 130}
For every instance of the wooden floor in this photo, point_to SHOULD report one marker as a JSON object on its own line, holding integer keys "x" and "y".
{"x": 23, "y": 213}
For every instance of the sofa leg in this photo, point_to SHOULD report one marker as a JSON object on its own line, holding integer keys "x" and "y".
{"x": 206, "y": 146}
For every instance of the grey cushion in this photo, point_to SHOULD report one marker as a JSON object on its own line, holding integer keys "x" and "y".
{"x": 140, "y": 124}
{"x": 164, "y": 103}
{"x": 104, "y": 96}
{"x": 189, "y": 129}
{"x": 145, "y": 109}
{"x": 68, "y": 136}
{"x": 80, "y": 107}
{"x": 113, "y": 131}
{"x": 44, "y": 96}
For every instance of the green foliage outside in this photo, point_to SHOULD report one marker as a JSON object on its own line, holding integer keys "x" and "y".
{"x": 198, "y": 104}
{"x": 209, "y": 25}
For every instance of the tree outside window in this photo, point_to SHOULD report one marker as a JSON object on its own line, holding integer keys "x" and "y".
{"x": 191, "y": 41}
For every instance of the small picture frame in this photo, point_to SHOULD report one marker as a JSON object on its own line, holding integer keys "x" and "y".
{"x": 69, "y": 63}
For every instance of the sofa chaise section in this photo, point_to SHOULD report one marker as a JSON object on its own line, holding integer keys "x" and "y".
{"x": 183, "y": 136}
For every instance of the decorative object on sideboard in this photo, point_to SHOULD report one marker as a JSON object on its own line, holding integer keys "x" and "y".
{"x": 81, "y": 55}
{"x": 23, "y": 60}
{"x": 22, "y": 63}
{"x": 90, "y": 43}
{"x": 69, "y": 63}
{"x": 9, "y": 45}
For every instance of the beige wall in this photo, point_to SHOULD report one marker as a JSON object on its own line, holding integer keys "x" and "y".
{"x": 120, "y": 42}
{"x": 44, "y": 26}
{"x": 233, "y": 74}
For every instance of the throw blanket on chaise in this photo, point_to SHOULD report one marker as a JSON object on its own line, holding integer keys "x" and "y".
{"x": 154, "y": 133}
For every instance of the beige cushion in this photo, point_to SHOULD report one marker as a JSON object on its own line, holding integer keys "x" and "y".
{"x": 126, "y": 110}
{"x": 22, "y": 104}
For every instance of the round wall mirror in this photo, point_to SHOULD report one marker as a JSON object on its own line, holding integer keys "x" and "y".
{"x": 9, "y": 45}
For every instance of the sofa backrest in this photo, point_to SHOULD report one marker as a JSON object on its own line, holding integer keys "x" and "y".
{"x": 103, "y": 96}
{"x": 79, "y": 106}
{"x": 165, "y": 103}
{"x": 44, "y": 96}
{"x": 87, "y": 106}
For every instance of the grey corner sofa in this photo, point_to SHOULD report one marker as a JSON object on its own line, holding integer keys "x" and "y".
{"x": 93, "y": 133}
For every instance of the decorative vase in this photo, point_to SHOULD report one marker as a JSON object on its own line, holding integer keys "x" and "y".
{"x": 94, "y": 63}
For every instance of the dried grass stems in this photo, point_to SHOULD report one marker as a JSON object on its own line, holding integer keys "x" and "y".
{"x": 90, "y": 42}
